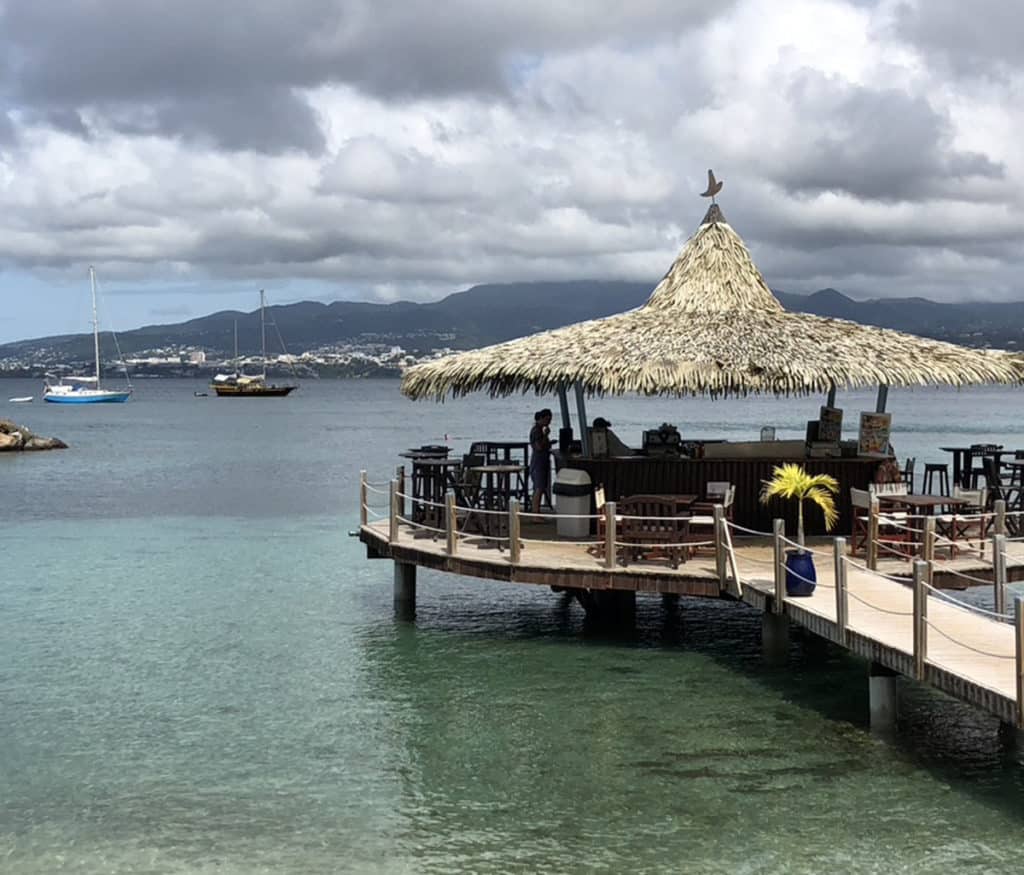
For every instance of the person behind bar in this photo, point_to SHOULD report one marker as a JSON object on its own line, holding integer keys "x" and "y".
{"x": 615, "y": 446}
{"x": 540, "y": 457}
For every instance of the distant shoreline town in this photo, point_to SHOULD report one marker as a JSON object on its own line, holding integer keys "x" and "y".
{"x": 344, "y": 361}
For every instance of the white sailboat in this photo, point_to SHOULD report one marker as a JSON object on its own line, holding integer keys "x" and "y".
{"x": 86, "y": 390}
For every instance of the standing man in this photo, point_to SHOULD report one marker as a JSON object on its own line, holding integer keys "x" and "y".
{"x": 540, "y": 457}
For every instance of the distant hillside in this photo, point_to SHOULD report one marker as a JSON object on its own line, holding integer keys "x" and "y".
{"x": 492, "y": 313}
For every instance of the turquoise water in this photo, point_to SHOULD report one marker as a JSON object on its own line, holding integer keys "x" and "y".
{"x": 200, "y": 672}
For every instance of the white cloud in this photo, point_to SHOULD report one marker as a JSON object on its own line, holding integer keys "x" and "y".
{"x": 534, "y": 142}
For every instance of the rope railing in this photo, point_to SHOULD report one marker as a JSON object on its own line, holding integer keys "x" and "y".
{"x": 805, "y": 549}
{"x": 412, "y": 524}
{"x": 891, "y": 578}
{"x": 980, "y": 581}
{"x": 967, "y": 605}
{"x": 655, "y": 545}
{"x": 851, "y": 594}
{"x": 966, "y": 646}
{"x": 745, "y": 530}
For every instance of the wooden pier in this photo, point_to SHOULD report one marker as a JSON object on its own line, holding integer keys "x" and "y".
{"x": 893, "y": 615}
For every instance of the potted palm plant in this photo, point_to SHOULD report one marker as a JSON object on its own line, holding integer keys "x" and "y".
{"x": 793, "y": 482}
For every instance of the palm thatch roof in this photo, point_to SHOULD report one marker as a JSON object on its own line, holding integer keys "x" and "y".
{"x": 712, "y": 326}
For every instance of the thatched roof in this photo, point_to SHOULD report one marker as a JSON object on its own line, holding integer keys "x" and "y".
{"x": 712, "y": 326}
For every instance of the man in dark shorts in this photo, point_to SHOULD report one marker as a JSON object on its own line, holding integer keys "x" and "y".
{"x": 540, "y": 457}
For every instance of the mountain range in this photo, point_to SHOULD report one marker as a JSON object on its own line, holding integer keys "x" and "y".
{"x": 492, "y": 313}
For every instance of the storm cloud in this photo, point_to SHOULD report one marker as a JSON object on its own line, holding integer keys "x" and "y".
{"x": 408, "y": 149}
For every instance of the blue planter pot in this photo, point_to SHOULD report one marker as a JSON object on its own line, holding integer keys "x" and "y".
{"x": 800, "y": 576}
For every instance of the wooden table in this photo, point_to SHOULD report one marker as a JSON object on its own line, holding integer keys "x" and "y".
{"x": 431, "y": 479}
{"x": 499, "y": 484}
{"x": 963, "y": 458}
{"x": 508, "y": 453}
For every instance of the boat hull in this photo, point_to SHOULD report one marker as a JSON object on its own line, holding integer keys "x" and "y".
{"x": 91, "y": 398}
{"x": 252, "y": 391}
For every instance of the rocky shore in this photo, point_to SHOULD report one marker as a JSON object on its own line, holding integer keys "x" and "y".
{"x": 15, "y": 437}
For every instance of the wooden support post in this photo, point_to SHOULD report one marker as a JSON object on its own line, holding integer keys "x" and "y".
{"x": 928, "y": 548}
{"x": 842, "y": 605}
{"x": 513, "y": 531}
{"x": 451, "y": 524}
{"x": 609, "y": 534}
{"x": 872, "y": 551}
{"x": 920, "y": 618}
{"x": 563, "y": 406}
{"x": 999, "y": 573}
{"x": 1018, "y": 629}
{"x": 718, "y": 512}
{"x": 363, "y": 514}
{"x": 581, "y": 415}
{"x": 830, "y": 401}
{"x": 778, "y": 528}
{"x": 400, "y": 477}
{"x": 393, "y": 513}
{"x": 1000, "y": 521}
{"x": 882, "y": 399}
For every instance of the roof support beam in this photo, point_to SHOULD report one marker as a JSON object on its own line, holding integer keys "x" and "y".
{"x": 883, "y": 397}
{"x": 831, "y": 400}
{"x": 581, "y": 414}
{"x": 563, "y": 406}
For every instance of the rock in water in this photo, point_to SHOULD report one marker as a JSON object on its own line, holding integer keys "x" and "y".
{"x": 17, "y": 437}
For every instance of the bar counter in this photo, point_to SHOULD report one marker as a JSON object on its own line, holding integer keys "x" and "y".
{"x": 622, "y": 476}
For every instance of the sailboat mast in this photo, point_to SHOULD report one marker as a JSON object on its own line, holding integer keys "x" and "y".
{"x": 236, "y": 348}
{"x": 263, "y": 335}
{"x": 95, "y": 323}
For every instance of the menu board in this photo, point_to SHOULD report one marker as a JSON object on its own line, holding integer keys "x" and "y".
{"x": 830, "y": 424}
{"x": 873, "y": 438}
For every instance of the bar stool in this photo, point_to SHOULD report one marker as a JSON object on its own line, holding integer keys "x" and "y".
{"x": 939, "y": 471}
{"x": 907, "y": 475}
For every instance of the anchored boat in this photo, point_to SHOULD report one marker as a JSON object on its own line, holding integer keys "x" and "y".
{"x": 86, "y": 390}
{"x": 239, "y": 385}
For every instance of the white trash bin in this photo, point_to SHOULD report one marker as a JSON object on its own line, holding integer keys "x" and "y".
{"x": 572, "y": 491}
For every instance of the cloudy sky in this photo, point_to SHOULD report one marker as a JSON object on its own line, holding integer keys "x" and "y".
{"x": 330, "y": 149}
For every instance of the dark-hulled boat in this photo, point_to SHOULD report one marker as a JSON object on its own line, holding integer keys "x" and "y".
{"x": 238, "y": 385}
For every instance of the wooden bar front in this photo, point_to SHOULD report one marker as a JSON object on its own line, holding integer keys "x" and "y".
{"x": 632, "y": 475}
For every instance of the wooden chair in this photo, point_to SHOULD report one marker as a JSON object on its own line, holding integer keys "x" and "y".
{"x": 651, "y": 527}
{"x": 891, "y": 525}
{"x": 967, "y": 532}
{"x": 715, "y": 492}
{"x": 908, "y": 474}
{"x": 702, "y": 524}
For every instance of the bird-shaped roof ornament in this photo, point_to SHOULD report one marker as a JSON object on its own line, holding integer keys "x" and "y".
{"x": 714, "y": 187}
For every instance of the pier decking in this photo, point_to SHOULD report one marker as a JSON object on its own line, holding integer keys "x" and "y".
{"x": 893, "y": 615}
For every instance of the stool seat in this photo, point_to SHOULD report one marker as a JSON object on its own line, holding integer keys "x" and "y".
{"x": 936, "y": 471}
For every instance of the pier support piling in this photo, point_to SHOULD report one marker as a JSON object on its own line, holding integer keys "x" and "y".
{"x": 883, "y": 698}
{"x": 405, "y": 588}
{"x": 774, "y": 637}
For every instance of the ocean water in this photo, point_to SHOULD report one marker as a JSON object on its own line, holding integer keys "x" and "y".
{"x": 200, "y": 671}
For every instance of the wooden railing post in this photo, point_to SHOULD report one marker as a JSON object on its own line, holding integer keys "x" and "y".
{"x": 363, "y": 513}
{"x": 920, "y": 618}
{"x": 609, "y": 534}
{"x": 1000, "y": 522}
{"x": 718, "y": 514}
{"x": 872, "y": 551}
{"x": 451, "y": 524}
{"x": 842, "y": 605}
{"x": 400, "y": 477}
{"x": 513, "y": 531}
{"x": 778, "y": 528}
{"x": 1018, "y": 636}
{"x": 393, "y": 513}
{"x": 999, "y": 573}
{"x": 928, "y": 548}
